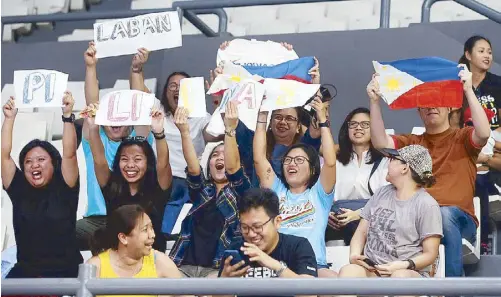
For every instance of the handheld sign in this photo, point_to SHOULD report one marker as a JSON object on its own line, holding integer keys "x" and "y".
{"x": 282, "y": 93}
{"x": 192, "y": 96}
{"x": 152, "y": 31}
{"x": 255, "y": 53}
{"x": 39, "y": 88}
{"x": 125, "y": 108}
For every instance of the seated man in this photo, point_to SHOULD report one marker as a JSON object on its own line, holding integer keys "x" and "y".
{"x": 265, "y": 252}
{"x": 401, "y": 225}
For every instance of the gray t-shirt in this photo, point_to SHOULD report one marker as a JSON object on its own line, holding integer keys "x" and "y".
{"x": 397, "y": 228}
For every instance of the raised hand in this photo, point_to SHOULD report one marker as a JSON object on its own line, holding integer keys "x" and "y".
{"x": 320, "y": 109}
{"x": 314, "y": 72}
{"x": 90, "y": 55}
{"x": 466, "y": 77}
{"x": 9, "y": 109}
{"x": 157, "y": 120}
{"x": 237, "y": 270}
{"x": 181, "y": 120}
{"x": 224, "y": 45}
{"x": 260, "y": 257}
{"x": 373, "y": 90}
{"x": 216, "y": 99}
{"x": 68, "y": 103}
{"x": 287, "y": 45}
{"x": 89, "y": 114}
{"x": 140, "y": 59}
{"x": 231, "y": 116}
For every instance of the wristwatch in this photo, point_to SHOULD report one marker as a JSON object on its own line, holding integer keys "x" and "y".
{"x": 412, "y": 265}
{"x": 283, "y": 266}
{"x": 70, "y": 119}
{"x": 230, "y": 133}
{"x": 327, "y": 124}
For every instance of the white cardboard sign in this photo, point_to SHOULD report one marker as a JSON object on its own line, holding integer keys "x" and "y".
{"x": 125, "y": 108}
{"x": 39, "y": 88}
{"x": 152, "y": 31}
{"x": 192, "y": 96}
{"x": 255, "y": 53}
{"x": 282, "y": 93}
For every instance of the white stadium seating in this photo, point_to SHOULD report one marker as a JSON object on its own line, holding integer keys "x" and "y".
{"x": 269, "y": 19}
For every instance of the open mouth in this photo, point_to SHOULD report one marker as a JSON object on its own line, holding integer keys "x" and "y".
{"x": 292, "y": 171}
{"x": 359, "y": 134}
{"x": 176, "y": 97}
{"x": 282, "y": 128}
{"x": 115, "y": 129}
{"x": 219, "y": 166}
{"x": 131, "y": 173}
{"x": 36, "y": 175}
{"x": 487, "y": 62}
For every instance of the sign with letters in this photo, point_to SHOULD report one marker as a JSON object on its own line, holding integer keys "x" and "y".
{"x": 39, "y": 88}
{"x": 282, "y": 93}
{"x": 152, "y": 31}
{"x": 125, "y": 108}
{"x": 192, "y": 96}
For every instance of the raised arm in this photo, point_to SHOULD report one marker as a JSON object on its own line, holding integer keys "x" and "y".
{"x": 482, "y": 130}
{"x": 164, "y": 172}
{"x": 96, "y": 146}
{"x": 231, "y": 155}
{"x": 91, "y": 86}
{"x": 136, "y": 79}
{"x": 379, "y": 137}
{"x": 263, "y": 168}
{"x": 69, "y": 165}
{"x": 328, "y": 172}
{"x": 8, "y": 165}
{"x": 190, "y": 155}
{"x": 216, "y": 100}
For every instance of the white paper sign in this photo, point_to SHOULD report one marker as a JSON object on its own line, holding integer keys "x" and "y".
{"x": 248, "y": 95}
{"x": 232, "y": 74}
{"x": 152, "y": 31}
{"x": 39, "y": 88}
{"x": 192, "y": 96}
{"x": 282, "y": 93}
{"x": 125, "y": 108}
{"x": 255, "y": 53}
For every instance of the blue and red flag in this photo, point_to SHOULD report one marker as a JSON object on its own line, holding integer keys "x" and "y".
{"x": 420, "y": 82}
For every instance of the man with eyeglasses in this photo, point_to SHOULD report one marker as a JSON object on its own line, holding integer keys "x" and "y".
{"x": 266, "y": 252}
{"x": 454, "y": 153}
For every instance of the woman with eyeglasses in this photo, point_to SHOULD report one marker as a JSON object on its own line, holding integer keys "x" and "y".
{"x": 360, "y": 171}
{"x": 136, "y": 177}
{"x": 305, "y": 191}
{"x": 169, "y": 102}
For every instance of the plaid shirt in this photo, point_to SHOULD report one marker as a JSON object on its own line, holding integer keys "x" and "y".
{"x": 226, "y": 202}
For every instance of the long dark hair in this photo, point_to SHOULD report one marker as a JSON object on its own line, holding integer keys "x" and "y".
{"x": 209, "y": 178}
{"x": 345, "y": 152}
{"x": 121, "y": 220}
{"x": 314, "y": 163}
{"x": 468, "y": 47}
{"x": 164, "y": 101}
{"x": 54, "y": 154}
{"x": 270, "y": 138}
{"x": 119, "y": 186}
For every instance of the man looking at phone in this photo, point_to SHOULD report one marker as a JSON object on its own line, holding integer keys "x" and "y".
{"x": 265, "y": 253}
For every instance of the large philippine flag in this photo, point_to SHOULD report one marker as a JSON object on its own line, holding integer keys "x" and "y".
{"x": 420, "y": 82}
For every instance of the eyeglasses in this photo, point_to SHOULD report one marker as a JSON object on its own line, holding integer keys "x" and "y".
{"x": 288, "y": 119}
{"x": 256, "y": 229}
{"x": 298, "y": 160}
{"x": 173, "y": 86}
{"x": 355, "y": 124}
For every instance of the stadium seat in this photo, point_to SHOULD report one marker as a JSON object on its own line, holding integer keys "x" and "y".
{"x": 495, "y": 207}
{"x": 211, "y": 20}
{"x": 14, "y": 8}
{"x": 345, "y": 10}
{"x": 390, "y": 131}
{"x": 322, "y": 25}
{"x": 78, "y": 35}
{"x": 252, "y": 14}
{"x": 278, "y": 27}
{"x": 370, "y": 22}
{"x": 418, "y": 130}
{"x": 471, "y": 253}
{"x": 301, "y": 12}
{"x": 150, "y": 4}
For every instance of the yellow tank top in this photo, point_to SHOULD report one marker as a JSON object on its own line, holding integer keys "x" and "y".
{"x": 148, "y": 270}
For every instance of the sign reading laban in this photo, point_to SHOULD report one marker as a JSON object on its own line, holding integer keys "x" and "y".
{"x": 152, "y": 31}
{"x": 125, "y": 108}
{"x": 39, "y": 88}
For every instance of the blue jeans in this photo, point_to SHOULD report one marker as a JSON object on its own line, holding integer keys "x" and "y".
{"x": 179, "y": 196}
{"x": 456, "y": 225}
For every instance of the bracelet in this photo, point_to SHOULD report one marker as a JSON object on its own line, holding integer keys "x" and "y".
{"x": 159, "y": 137}
{"x": 159, "y": 133}
{"x": 261, "y": 122}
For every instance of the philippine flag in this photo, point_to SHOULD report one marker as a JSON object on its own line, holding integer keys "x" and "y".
{"x": 297, "y": 69}
{"x": 420, "y": 82}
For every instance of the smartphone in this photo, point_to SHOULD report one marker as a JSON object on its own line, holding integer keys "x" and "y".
{"x": 369, "y": 262}
{"x": 237, "y": 257}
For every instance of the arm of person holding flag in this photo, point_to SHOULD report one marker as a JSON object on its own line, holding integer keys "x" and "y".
{"x": 262, "y": 165}
{"x": 481, "y": 131}
{"x": 379, "y": 137}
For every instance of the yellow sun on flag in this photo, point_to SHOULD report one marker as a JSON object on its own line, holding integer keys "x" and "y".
{"x": 393, "y": 84}
{"x": 235, "y": 78}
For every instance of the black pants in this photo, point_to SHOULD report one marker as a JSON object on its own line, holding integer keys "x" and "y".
{"x": 85, "y": 228}
{"x": 483, "y": 188}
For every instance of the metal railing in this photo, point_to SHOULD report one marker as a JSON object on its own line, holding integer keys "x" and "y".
{"x": 471, "y": 4}
{"x": 87, "y": 285}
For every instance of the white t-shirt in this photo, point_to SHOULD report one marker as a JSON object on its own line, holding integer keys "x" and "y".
{"x": 173, "y": 137}
{"x": 352, "y": 180}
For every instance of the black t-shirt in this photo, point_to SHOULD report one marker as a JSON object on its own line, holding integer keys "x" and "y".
{"x": 294, "y": 251}
{"x": 153, "y": 201}
{"x": 489, "y": 95}
{"x": 207, "y": 228}
{"x": 44, "y": 226}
